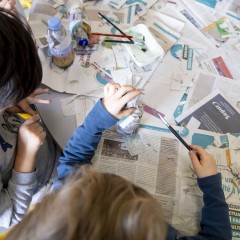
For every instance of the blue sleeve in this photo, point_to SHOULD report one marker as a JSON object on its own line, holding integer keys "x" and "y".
{"x": 215, "y": 223}
{"x": 82, "y": 145}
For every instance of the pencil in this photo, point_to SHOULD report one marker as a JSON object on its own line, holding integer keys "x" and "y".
{"x": 173, "y": 131}
{"x": 113, "y": 25}
{"x": 112, "y": 35}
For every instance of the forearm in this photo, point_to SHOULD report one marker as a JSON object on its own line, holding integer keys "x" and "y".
{"x": 25, "y": 163}
{"x": 15, "y": 199}
{"x": 82, "y": 145}
{"x": 215, "y": 217}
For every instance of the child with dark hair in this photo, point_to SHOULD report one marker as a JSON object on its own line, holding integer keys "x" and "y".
{"x": 26, "y": 154}
{"x": 102, "y": 206}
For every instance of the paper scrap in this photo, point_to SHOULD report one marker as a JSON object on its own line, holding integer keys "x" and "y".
{"x": 121, "y": 55}
{"x": 126, "y": 121}
{"x": 68, "y": 106}
{"x": 122, "y": 76}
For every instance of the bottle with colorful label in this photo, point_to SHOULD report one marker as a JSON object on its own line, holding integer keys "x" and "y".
{"x": 76, "y": 16}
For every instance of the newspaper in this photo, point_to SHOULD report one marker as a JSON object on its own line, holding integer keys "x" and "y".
{"x": 146, "y": 167}
{"x": 79, "y": 106}
{"x": 227, "y": 157}
{"x": 215, "y": 113}
{"x": 154, "y": 160}
{"x": 83, "y": 78}
{"x": 207, "y": 11}
{"x": 221, "y": 63}
{"x": 205, "y": 83}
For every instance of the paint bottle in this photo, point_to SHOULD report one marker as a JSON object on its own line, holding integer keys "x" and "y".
{"x": 60, "y": 43}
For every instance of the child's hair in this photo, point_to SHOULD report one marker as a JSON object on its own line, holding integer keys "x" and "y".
{"x": 94, "y": 206}
{"x": 20, "y": 66}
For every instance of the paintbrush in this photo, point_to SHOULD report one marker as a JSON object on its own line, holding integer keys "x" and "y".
{"x": 173, "y": 130}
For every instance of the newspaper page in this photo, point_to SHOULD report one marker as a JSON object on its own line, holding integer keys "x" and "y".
{"x": 84, "y": 78}
{"x": 215, "y": 113}
{"x": 206, "y": 11}
{"x": 167, "y": 85}
{"x": 155, "y": 160}
{"x": 187, "y": 210}
{"x": 227, "y": 157}
{"x": 81, "y": 78}
{"x": 234, "y": 11}
{"x": 148, "y": 159}
{"x": 176, "y": 17}
{"x": 221, "y": 63}
{"x": 205, "y": 83}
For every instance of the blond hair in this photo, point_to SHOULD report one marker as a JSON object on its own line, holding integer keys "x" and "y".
{"x": 93, "y": 205}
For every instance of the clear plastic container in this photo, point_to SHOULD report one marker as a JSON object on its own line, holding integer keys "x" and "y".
{"x": 75, "y": 18}
{"x": 60, "y": 43}
{"x": 147, "y": 54}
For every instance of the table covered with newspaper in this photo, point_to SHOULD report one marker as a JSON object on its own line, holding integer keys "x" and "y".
{"x": 201, "y": 44}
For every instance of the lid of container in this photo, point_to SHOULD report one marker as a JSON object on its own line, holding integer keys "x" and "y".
{"x": 82, "y": 41}
{"x": 54, "y": 23}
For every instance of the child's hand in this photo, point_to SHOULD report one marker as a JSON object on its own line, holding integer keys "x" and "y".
{"x": 30, "y": 138}
{"x": 7, "y": 4}
{"x": 204, "y": 164}
{"x": 115, "y": 98}
{"x": 24, "y": 105}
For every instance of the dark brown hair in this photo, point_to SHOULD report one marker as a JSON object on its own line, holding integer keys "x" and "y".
{"x": 20, "y": 66}
{"x": 94, "y": 206}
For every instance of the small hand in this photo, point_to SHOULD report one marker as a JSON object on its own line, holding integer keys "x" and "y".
{"x": 24, "y": 105}
{"x": 116, "y": 97}
{"x": 204, "y": 164}
{"x": 8, "y": 4}
{"x": 30, "y": 137}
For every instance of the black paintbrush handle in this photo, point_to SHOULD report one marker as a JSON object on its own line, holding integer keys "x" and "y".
{"x": 118, "y": 41}
{"x": 179, "y": 138}
{"x": 114, "y": 25}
